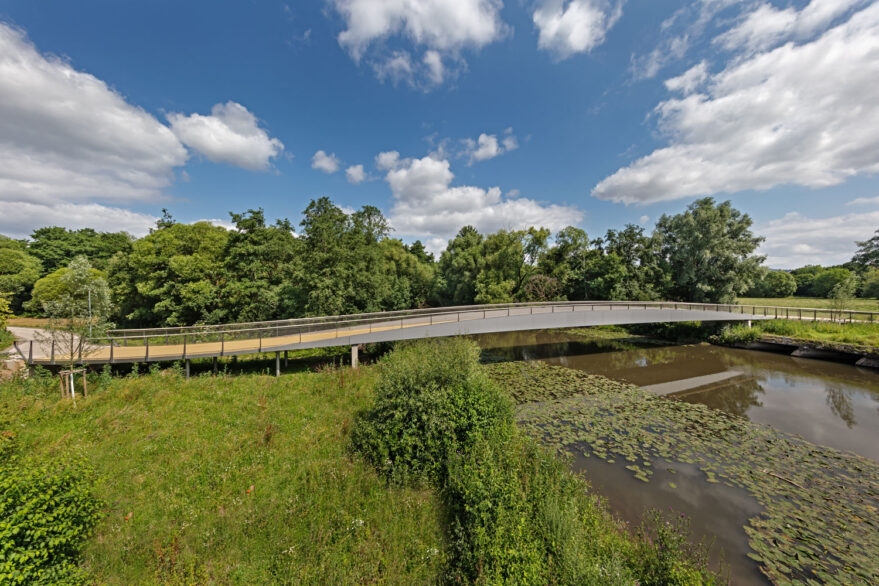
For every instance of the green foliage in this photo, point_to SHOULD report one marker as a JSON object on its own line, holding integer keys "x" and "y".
{"x": 661, "y": 546}
{"x": 56, "y": 285}
{"x": 173, "y": 276}
{"x": 5, "y": 311}
{"x": 867, "y": 254}
{"x": 432, "y": 399}
{"x": 708, "y": 252}
{"x": 18, "y": 272}
{"x": 56, "y": 246}
{"x": 47, "y": 511}
{"x": 870, "y": 284}
{"x": 775, "y": 284}
{"x": 827, "y": 279}
{"x": 737, "y": 334}
{"x": 516, "y": 514}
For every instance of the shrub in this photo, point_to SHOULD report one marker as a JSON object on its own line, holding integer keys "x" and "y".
{"x": 661, "y": 550}
{"x": 824, "y": 283}
{"x": 432, "y": 399}
{"x": 738, "y": 334}
{"x": 870, "y": 286}
{"x": 47, "y": 510}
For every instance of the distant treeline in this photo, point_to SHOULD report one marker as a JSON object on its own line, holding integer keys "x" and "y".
{"x": 338, "y": 263}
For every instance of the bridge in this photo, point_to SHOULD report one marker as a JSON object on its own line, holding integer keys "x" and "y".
{"x": 214, "y": 341}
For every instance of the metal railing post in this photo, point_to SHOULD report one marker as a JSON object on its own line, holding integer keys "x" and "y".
{"x": 184, "y": 346}
{"x": 111, "y": 350}
{"x": 146, "y": 357}
{"x": 52, "y": 359}
{"x": 30, "y": 353}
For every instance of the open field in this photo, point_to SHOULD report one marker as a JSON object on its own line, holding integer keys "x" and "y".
{"x": 816, "y": 302}
{"x": 28, "y": 322}
{"x": 240, "y": 479}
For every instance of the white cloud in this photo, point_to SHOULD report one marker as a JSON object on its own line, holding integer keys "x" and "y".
{"x": 387, "y": 160}
{"x": 442, "y": 27}
{"x": 863, "y": 201}
{"x": 18, "y": 219}
{"x": 231, "y": 134}
{"x": 798, "y": 114}
{"x": 671, "y": 49}
{"x": 643, "y": 220}
{"x": 690, "y": 80}
{"x": 487, "y": 146}
{"x": 795, "y": 240}
{"x": 324, "y": 162}
{"x": 426, "y": 205}
{"x": 65, "y": 135}
{"x": 767, "y": 26}
{"x": 355, "y": 174}
{"x": 575, "y": 26}
{"x": 218, "y": 222}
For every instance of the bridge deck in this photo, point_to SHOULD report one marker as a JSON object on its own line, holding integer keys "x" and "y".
{"x": 168, "y": 344}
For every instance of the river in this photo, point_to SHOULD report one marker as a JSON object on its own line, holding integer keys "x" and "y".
{"x": 826, "y": 403}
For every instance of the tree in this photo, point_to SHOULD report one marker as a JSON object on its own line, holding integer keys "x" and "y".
{"x": 459, "y": 266}
{"x": 867, "y": 254}
{"x": 708, "y": 252}
{"x": 775, "y": 284}
{"x": 56, "y": 246}
{"x": 566, "y": 262}
{"x": 410, "y": 276}
{"x": 824, "y": 283}
{"x": 80, "y": 313}
{"x": 870, "y": 284}
{"x": 842, "y": 293}
{"x": 260, "y": 264}
{"x": 173, "y": 276}
{"x": 18, "y": 272}
{"x": 54, "y": 286}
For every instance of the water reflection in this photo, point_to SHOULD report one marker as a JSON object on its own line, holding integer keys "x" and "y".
{"x": 827, "y": 403}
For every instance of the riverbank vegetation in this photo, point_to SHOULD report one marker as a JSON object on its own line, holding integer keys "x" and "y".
{"x": 516, "y": 513}
{"x": 810, "y": 303}
{"x": 818, "y": 518}
{"x": 243, "y": 479}
{"x": 857, "y": 334}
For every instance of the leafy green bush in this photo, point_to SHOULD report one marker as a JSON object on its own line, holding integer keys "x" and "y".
{"x": 47, "y": 511}
{"x": 738, "y": 334}
{"x": 433, "y": 398}
{"x": 662, "y": 550}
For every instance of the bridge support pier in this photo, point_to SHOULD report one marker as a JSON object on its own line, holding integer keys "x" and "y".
{"x": 187, "y": 369}
{"x": 749, "y": 324}
{"x": 277, "y": 364}
{"x": 355, "y": 357}
{"x": 215, "y": 366}
{"x": 286, "y": 359}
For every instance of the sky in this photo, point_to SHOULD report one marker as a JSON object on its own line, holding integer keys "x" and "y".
{"x": 442, "y": 113}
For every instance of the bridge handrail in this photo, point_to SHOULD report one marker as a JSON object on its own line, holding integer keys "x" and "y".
{"x": 306, "y": 325}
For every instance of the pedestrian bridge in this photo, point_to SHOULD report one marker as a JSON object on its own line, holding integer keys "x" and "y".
{"x": 185, "y": 343}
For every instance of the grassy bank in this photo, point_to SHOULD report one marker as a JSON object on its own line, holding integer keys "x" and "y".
{"x": 818, "y": 521}
{"x": 227, "y": 480}
{"x": 858, "y": 334}
{"x": 811, "y": 302}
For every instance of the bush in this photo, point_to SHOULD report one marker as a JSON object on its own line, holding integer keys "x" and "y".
{"x": 432, "y": 399}
{"x": 47, "y": 511}
{"x": 738, "y": 334}
{"x": 779, "y": 284}
{"x": 870, "y": 286}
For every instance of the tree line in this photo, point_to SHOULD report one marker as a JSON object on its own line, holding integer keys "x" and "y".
{"x": 338, "y": 263}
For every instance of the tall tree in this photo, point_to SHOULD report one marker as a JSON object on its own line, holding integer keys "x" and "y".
{"x": 56, "y": 246}
{"x": 260, "y": 264}
{"x": 708, "y": 252}
{"x": 459, "y": 266}
{"x": 868, "y": 252}
{"x": 173, "y": 276}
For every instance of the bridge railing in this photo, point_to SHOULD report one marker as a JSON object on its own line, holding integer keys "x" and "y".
{"x": 344, "y": 325}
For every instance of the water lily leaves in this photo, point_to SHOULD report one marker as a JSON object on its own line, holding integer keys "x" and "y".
{"x": 819, "y": 523}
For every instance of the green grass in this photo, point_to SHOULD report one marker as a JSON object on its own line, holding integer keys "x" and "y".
{"x": 812, "y": 302}
{"x": 861, "y": 334}
{"x": 226, "y": 480}
{"x": 6, "y": 339}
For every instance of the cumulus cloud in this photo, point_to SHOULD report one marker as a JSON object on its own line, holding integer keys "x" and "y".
{"x": 690, "y": 80}
{"x": 574, "y": 26}
{"x": 643, "y": 220}
{"x": 355, "y": 174}
{"x": 795, "y": 240}
{"x": 487, "y": 146}
{"x": 442, "y": 28}
{"x": 231, "y": 134}
{"x": 18, "y": 219}
{"x": 65, "y": 135}
{"x": 426, "y": 204}
{"x": 324, "y": 162}
{"x": 801, "y": 114}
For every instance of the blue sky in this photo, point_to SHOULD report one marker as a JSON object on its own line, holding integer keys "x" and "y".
{"x": 588, "y": 112}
